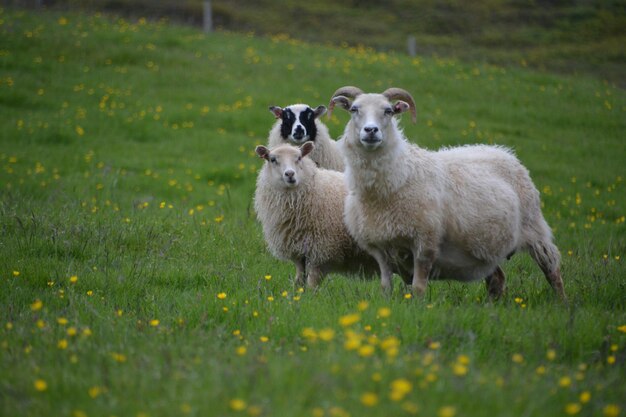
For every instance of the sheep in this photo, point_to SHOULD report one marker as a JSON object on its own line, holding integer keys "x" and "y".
{"x": 299, "y": 123}
{"x": 459, "y": 211}
{"x": 300, "y": 208}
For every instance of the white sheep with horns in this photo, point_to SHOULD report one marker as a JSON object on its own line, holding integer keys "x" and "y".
{"x": 299, "y": 123}
{"x": 300, "y": 207}
{"x": 460, "y": 211}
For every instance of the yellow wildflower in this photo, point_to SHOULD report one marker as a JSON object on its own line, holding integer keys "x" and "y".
{"x": 447, "y": 411}
{"x": 572, "y": 408}
{"x": 94, "y": 391}
{"x": 585, "y": 397}
{"x": 326, "y": 334}
{"x": 459, "y": 369}
{"x": 310, "y": 334}
{"x": 463, "y": 359}
{"x": 40, "y": 385}
{"x": 369, "y": 399}
{"x": 565, "y": 382}
{"x": 400, "y": 388}
{"x": 366, "y": 351}
{"x": 37, "y": 305}
{"x": 611, "y": 410}
{"x": 237, "y": 404}
{"x": 349, "y": 319}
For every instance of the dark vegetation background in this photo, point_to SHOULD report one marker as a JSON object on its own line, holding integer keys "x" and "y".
{"x": 574, "y": 37}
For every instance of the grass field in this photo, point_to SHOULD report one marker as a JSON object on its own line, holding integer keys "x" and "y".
{"x": 583, "y": 37}
{"x": 134, "y": 280}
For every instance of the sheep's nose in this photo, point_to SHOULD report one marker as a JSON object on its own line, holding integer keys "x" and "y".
{"x": 298, "y": 133}
{"x": 289, "y": 173}
{"x": 370, "y": 129}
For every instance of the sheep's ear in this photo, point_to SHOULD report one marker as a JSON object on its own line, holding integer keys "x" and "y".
{"x": 278, "y": 112}
{"x": 262, "y": 152}
{"x": 401, "y": 107}
{"x": 343, "y": 101}
{"x": 319, "y": 111}
{"x": 307, "y": 148}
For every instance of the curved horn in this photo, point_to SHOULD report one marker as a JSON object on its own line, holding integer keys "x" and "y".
{"x": 346, "y": 91}
{"x": 394, "y": 93}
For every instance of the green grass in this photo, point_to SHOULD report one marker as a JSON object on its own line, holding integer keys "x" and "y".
{"x": 582, "y": 37}
{"x": 127, "y": 162}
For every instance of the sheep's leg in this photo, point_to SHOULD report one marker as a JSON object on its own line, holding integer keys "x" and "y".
{"x": 548, "y": 258}
{"x": 314, "y": 276}
{"x": 300, "y": 272}
{"x": 385, "y": 269}
{"x": 495, "y": 283}
{"x": 422, "y": 264}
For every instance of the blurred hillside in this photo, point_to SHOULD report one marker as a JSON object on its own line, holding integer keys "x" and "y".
{"x": 575, "y": 36}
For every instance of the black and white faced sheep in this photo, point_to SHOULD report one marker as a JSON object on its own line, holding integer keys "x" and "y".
{"x": 461, "y": 211}
{"x": 300, "y": 207}
{"x": 299, "y": 123}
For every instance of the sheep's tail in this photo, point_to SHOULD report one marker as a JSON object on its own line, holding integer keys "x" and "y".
{"x": 547, "y": 256}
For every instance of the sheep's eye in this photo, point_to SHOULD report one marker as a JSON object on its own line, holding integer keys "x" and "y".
{"x": 388, "y": 111}
{"x": 273, "y": 159}
{"x": 354, "y": 109}
{"x": 299, "y": 159}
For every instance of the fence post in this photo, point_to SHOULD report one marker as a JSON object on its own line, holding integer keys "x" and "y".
{"x": 411, "y": 45}
{"x": 207, "y": 17}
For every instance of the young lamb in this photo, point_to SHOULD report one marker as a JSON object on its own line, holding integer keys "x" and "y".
{"x": 300, "y": 207}
{"x": 460, "y": 211}
{"x": 300, "y": 123}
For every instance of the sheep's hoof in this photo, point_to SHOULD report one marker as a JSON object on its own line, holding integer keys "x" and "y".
{"x": 418, "y": 291}
{"x": 556, "y": 282}
{"x": 387, "y": 290}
